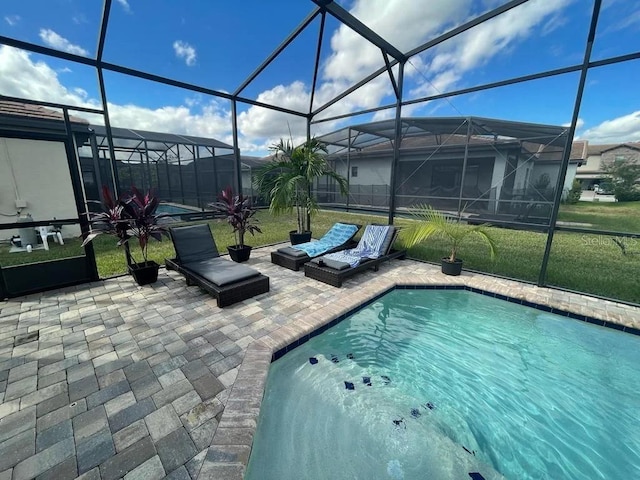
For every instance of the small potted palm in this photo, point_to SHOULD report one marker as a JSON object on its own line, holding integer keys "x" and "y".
{"x": 431, "y": 222}
{"x": 132, "y": 217}
{"x": 287, "y": 182}
{"x": 240, "y": 214}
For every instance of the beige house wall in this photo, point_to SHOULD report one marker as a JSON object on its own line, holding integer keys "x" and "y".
{"x": 36, "y": 173}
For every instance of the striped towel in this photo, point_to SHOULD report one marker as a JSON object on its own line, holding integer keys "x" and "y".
{"x": 339, "y": 234}
{"x": 370, "y": 246}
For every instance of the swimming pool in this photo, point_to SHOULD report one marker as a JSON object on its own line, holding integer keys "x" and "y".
{"x": 174, "y": 209}
{"x": 443, "y": 384}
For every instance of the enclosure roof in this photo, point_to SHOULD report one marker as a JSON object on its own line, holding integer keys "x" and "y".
{"x": 164, "y": 138}
{"x": 368, "y": 134}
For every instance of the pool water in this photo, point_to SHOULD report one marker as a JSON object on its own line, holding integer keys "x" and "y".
{"x": 435, "y": 384}
{"x": 174, "y": 209}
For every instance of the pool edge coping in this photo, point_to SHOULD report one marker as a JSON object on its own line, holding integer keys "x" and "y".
{"x": 233, "y": 438}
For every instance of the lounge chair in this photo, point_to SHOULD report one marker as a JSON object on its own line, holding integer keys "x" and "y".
{"x": 197, "y": 258}
{"x": 339, "y": 237}
{"x": 374, "y": 248}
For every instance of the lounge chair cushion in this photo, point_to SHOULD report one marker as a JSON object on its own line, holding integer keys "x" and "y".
{"x": 292, "y": 251}
{"x": 337, "y": 235}
{"x": 335, "y": 264}
{"x": 220, "y": 271}
{"x": 386, "y": 243}
{"x": 193, "y": 243}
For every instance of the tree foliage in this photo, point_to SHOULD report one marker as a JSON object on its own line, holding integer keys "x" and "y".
{"x": 287, "y": 181}
{"x": 624, "y": 177}
{"x": 575, "y": 192}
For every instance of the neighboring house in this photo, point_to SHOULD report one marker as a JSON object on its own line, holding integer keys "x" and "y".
{"x": 509, "y": 168}
{"x": 593, "y": 172}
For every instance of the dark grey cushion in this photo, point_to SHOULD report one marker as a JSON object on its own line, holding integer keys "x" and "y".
{"x": 388, "y": 240}
{"x": 293, "y": 252}
{"x": 220, "y": 271}
{"x": 335, "y": 264}
{"x": 193, "y": 243}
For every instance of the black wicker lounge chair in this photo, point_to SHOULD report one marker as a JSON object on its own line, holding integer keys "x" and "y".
{"x": 335, "y": 272}
{"x": 293, "y": 259}
{"x": 197, "y": 258}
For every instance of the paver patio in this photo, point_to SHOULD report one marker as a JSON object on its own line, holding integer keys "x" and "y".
{"x": 110, "y": 380}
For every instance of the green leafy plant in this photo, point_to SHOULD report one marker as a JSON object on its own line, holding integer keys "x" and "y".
{"x": 574, "y": 194}
{"x": 287, "y": 181}
{"x": 239, "y": 213}
{"x": 431, "y": 222}
{"x": 624, "y": 177}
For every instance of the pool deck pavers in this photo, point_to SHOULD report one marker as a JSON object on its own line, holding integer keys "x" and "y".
{"x": 111, "y": 380}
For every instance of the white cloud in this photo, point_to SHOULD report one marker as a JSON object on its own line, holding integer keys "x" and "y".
{"x": 618, "y": 130}
{"x": 12, "y": 20}
{"x": 579, "y": 124}
{"x": 125, "y": 5}
{"x": 79, "y": 19}
{"x": 498, "y": 37}
{"x": 53, "y": 40}
{"x": 22, "y": 77}
{"x": 185, "y": 51}
{"x": 268, "y": 126}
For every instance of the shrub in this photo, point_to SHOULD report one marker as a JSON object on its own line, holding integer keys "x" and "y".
{"x": 574, "y": 194}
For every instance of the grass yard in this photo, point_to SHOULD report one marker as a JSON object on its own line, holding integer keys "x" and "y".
{"x": 587, "y": 263}
{"x": 616, "y": 217}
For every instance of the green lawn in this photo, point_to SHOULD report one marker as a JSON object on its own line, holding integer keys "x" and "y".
{"x": 616, "y": 217}
{"x": 587, "y": 263}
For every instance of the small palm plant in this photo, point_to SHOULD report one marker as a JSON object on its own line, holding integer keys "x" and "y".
{"x": 432, "y": 222}
{"x": 287, "y": 181}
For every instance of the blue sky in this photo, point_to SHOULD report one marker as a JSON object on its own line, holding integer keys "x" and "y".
{"x": 218, "y": 44}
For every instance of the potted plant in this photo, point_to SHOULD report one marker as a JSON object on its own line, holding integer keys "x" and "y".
{"x": 287, "y": 182}
{"x": 133, "y": 217}
{"x": 240, "y": 215}
{"x": 140, "y": 211}
{"x": 432, "y": 222}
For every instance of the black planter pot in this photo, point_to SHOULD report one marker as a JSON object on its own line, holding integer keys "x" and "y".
{"x": 144, "y": 273}
{"x": 451, "y": 268}
{"x": 239, "y": 254}
{"x": 297, "y": 238}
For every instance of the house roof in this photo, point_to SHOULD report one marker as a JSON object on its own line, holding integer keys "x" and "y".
{"x": 35, "y": 111}
{"x": 579, "y": 150}
{"x": 599, "y": 149}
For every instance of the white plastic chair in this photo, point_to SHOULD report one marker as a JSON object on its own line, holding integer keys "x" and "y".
{"x": 46, "y": 232}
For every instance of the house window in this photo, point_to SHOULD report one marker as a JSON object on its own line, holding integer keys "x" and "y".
{"x": 620, "y": 159}
{"x": 354, "y": 171}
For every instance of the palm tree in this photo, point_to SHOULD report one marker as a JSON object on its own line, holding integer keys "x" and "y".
{"x": 287, "y": 181}
{"x": 432, "y": 222}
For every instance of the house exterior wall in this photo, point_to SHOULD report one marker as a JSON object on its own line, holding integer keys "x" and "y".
{"x": 593, "y": 165}
{"x": 594, "y": 169}
{"x": 623, "y": 153}
{"x": 553, "y": 170}
{"x": 42, "y": 179}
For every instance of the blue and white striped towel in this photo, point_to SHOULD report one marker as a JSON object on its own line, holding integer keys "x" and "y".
{"x": 370, "y": 246}
{"x": 339, "y": 234}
